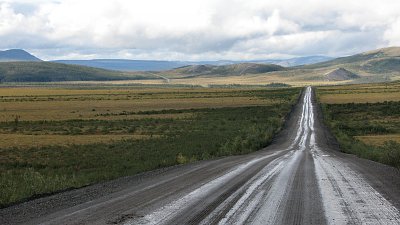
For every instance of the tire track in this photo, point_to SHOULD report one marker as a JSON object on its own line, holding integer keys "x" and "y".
{"x": 348, "y": 198}
{"x": 262, "y": 199}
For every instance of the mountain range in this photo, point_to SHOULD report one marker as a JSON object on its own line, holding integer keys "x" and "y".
{"x": 27, "y": 71}
{"x": 373, "y": 66}
{"x": 156, "y": 65}
{"x": 380, "y": 65}
{"x": 13, "y": 55}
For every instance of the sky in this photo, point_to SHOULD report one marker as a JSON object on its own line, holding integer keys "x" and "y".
{"x": 197, "y": 29}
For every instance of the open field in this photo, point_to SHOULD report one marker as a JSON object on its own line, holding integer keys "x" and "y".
{"x": 300, "y": 178}
{"x": 248, "y": 79}
{"x": 367, "y": 97}
{"x": 32, "y": 104}
{"x": 378, "y": 140}
{"x": 57, "y": 138}
{"x": 365, "y": 119}
{"x": 28, "y": 141}
{"x": 94, "y": 109}
{"x": 360, "y": 93}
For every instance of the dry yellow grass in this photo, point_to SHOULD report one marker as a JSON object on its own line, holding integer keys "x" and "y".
{"x": 146, "y": 116}
{"x": 63, "y": 110}
{"x": 377, "y": 87}
{"x": 48, "y": 91}
{"x": 203, "y": 81}
{"x": 49, "y": 103}
{"x": 359, "y": 97}
{"x": 27, "y": 141}
{"x": 248, "y": 79}
{"x": 378, "y": 140}
{"x": 360, "y": 93}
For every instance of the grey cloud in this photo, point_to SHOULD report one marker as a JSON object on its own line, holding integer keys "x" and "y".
{"x": 220, "y": 28}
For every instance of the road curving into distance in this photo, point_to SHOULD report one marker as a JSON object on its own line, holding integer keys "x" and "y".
{"x": 300, "y": 179}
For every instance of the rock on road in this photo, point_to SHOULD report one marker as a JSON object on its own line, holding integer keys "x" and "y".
{"x": 300, "y": 179}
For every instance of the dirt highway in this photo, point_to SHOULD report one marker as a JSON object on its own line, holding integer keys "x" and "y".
{"x": 301, "y": 178}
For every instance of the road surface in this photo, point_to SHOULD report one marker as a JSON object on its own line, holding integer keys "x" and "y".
{"x": 300, "y": 179}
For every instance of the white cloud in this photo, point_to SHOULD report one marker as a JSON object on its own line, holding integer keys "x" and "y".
{"x": 9, "y": 20}
{"x": 197, "y": 29}
{"x": 392, "y": 34}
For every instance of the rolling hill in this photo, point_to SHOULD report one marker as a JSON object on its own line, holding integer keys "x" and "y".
{"x": 13, "y": 55}
{"x": 382, "y": 60}
{"x": 380, "y": 65}
{"x": 224, "y": 70}
{"x": 48, "y": 71}
{"x": 384, "y": 65}
{"x": 157, "y": 65}
{"x": 341, "y": 74}
{"x": 298, "y": 61}
{"x": 127, "y": 65}
{"x": 373, "y": 66}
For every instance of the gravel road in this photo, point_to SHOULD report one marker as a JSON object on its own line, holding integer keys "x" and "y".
{"x": 301, "y": 178}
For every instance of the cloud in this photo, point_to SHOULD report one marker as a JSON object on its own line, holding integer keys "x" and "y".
{"x": 197, "y": 29}
{"x": 392, "y": 34}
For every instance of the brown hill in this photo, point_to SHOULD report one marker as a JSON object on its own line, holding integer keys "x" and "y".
{"x": 341, "y": 74}
{"x": 224, "y": 70}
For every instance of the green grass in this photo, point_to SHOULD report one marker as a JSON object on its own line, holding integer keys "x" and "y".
{"x": 209, "y": 133}
{"x": 357, "y": 119}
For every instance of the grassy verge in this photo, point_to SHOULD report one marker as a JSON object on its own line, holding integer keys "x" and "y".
{"x": 207, "y": 133}
{"x": 351, "y": 123}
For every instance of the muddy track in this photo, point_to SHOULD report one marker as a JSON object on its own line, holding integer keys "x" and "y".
{"x": 301, "y": 178}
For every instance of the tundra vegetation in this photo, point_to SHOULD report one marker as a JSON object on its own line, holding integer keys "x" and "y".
{"x": 60, "y": 137}
{"x": 365, "y": 119}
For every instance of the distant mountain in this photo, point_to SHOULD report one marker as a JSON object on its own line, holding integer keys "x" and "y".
{"x": 373, "y": 66}
{"x": 49, "y": 71}
{"x": 127, "y": 65}
{"x": 301, "y": 60}
{"x": 155, "y": 65}
{"x": 297, "y": 61}
{"x": 14, "y": 55}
